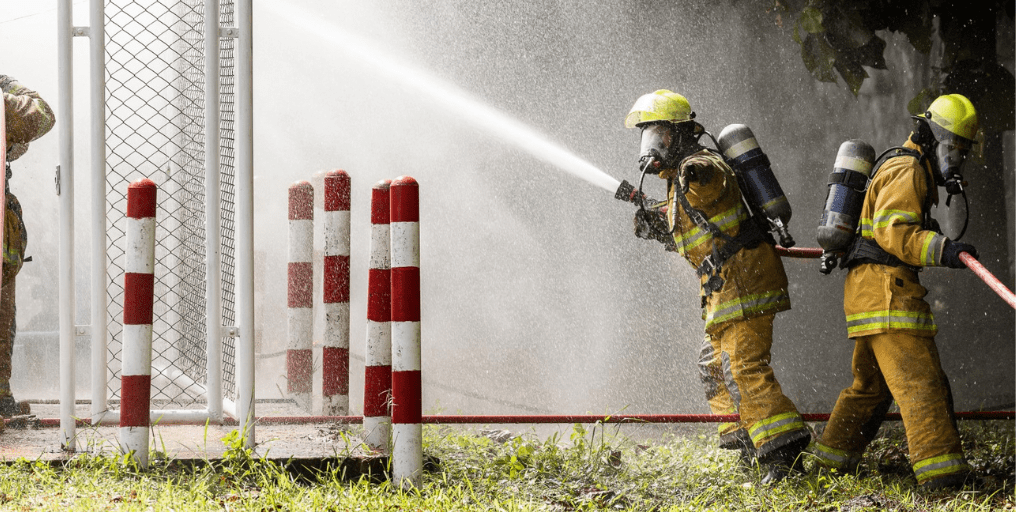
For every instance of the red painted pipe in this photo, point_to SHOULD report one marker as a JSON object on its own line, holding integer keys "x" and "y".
{"x": 798, "y": 252}
{"x": 300, "y": 290}
{"x": 989, "y": 279}
{"x": 377, "y": 390}
{"x": 336, "y": 264}
{"x": 589, "y": 418}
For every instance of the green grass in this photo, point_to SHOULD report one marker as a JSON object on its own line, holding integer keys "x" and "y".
{"x": 589, "y": 467}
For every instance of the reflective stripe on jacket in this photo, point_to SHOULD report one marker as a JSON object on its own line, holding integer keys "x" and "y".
{"x": 882, "y": 298}
{"x": 754, "y": 279}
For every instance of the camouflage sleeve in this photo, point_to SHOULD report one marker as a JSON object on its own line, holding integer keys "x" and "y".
{"x": 28, "y": 115}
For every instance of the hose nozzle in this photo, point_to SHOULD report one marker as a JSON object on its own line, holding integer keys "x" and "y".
{"x": 629, "y": 193}
{"x": 625, "y": 192}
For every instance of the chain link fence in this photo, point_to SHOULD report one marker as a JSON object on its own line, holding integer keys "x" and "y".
{"x": 155, "y": 101}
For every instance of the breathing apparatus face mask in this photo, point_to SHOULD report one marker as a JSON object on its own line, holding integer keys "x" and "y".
{"x": 951, "y": 155}
{"x": 660, "y": 148}
{"x": 655, "y": 141}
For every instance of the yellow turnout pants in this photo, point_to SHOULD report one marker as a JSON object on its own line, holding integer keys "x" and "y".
{"x": 738, "y": 378}
{"x": 906, "y": 368}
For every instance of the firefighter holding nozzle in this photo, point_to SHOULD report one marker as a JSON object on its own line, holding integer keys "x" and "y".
{"x": 742, "y": 281}
{"x": 894, "y": 354}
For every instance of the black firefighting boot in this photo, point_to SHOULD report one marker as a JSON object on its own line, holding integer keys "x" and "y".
{"x": 740, "y": 440}
{"x": 784, "y": 461}
{"x": 947, "y": 482}
{"x": 10, "y": 407}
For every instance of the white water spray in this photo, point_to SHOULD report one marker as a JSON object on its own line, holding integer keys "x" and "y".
{"x": 497, "y": 123}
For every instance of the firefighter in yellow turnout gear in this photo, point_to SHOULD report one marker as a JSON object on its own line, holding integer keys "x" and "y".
{"x": 894, "y": 355}
{"x": 742, "y": 281}
{"x": 28, "y": 117}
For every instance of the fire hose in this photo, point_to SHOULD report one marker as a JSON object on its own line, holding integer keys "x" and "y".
{"x": 989, "y": 279}
{"x": 970, "y": 261}
{"x": 627, "y": 193}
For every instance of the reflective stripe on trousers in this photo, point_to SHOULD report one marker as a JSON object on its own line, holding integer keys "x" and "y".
{"x": 778, "y": 424}
{"x": 833, "y": 457}
{"x": 942, "y": 465}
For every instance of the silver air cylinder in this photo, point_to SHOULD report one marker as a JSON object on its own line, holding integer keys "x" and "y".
{"x": 760, "y": 187}
{"x": 847, "y": 184}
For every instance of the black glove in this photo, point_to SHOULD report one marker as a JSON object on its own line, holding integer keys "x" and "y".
{"x": 951, "y": 254}
{"x": 653, "y": 225}
{"x": 647, "y": 224}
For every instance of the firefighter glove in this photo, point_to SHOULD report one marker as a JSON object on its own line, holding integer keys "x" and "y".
{"x": 951, "y": 253}
{"x": 652, "y": 225}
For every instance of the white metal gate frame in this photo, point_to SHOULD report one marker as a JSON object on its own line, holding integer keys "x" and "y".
{"x": 243, "y": 409}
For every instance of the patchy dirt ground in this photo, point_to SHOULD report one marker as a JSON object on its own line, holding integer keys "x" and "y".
{"x": 304, "y": 440}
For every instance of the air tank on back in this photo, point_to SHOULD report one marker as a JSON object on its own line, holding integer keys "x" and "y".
{"x": 847, "y": 184}
{"x": 754, "y": 172}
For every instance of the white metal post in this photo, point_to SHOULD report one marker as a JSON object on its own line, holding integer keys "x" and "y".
{"x": 66, "y": 191}
{"x": 245, "y": 366}
{"x": 98, "y": 131}
{"x": 212, "y": 150}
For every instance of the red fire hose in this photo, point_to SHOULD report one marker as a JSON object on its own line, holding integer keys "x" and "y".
{"x": 989, "y": 279}
{"x": 973, "y": 264}
{"x": 798, "y": 252}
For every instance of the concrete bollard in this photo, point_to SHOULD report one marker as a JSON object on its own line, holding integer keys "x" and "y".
{"x": 406, "y": 410}
{"x": 377, "y": 390}
{"x": 136, "y": 356}
{"x": 337, "y": 247}
{"x": 300, "y": 293}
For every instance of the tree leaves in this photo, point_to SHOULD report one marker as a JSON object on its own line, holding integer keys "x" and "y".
{"x": 819, "y": 57}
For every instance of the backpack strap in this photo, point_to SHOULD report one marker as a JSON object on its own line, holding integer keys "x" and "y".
{"x": 749, "y": 237}
{"x": 865, "y": 250}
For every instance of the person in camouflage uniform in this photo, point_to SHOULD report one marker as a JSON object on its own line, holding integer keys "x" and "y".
{"x": 28, "y": 117}
{"x": 743, "y": 282}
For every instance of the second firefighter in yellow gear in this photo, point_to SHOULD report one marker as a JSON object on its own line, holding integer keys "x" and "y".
{"x": 742, "y": 281}
{"x": 894, "y": 356}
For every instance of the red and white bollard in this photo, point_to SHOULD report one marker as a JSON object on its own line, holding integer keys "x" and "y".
{"x": 136, "y": 354}
{"x": 337, "y": 248}
{"x": 377, "y": 390}
{"x": 406, "y": 410}
{"x": 300, "y": 293}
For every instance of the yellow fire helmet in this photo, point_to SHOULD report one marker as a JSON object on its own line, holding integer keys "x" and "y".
{"x": 660, "y": 105}
{"x": 953, "y": 113}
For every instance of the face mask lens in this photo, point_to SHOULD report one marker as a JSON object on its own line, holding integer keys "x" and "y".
{"x": 951, "y": 159}
{"x": 654, "y": 141}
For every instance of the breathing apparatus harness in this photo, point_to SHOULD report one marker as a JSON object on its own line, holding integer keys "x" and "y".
{"x": 751, "y": 232}
{"x": 864, "y": 250}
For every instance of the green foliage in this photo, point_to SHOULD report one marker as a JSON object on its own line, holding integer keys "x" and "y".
{"x": 589, "y": 467}
{"x": 834, "y": 40}
{"x": 838, "y": 38}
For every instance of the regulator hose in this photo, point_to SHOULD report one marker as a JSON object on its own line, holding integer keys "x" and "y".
{"x": 967, "y": 212}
